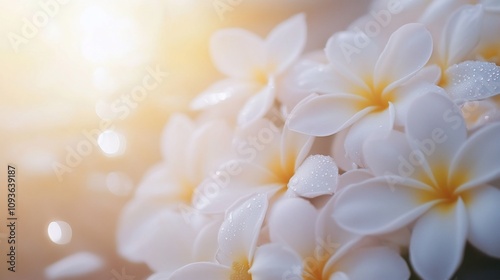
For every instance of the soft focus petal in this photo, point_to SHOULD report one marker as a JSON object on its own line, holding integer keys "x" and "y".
{"x": 461, "y": 34}
{"x": 436, "y": 128}
{"x": 258, "y": 105}
{"x": 208, "y": 149}
{"x": 483, "y": 150}
{"x": 326, "y": 115}
{"x": 208, "y": 271}
{"x": 438, "y": 241}
{"x": 175, "y": 136}
{"x": 222, "y": 91}
{"x": 353, "y": 54}
{"x": 379, "y": 206}
{"x": 473, "y": 80}
{"x": 374, "y": 264}
{"x": 318, "y": 175}
{"x": 152, "y": 239}
{"x": 353, "y": 177}
{"x": 75, "y": 265}
{"x": 286, "y": 42}
{"x": 408, "y": 50}
{"x": 375, "y": 122}
{"x": 274, "y": 261}
{"x": 291, "y": 222}
{"x": 240, "y": 230}
{"x": 238, "y": 53}
{"x": 484, "y": 220}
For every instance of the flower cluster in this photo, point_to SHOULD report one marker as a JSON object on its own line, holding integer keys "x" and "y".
{"x": 374, "y": 156}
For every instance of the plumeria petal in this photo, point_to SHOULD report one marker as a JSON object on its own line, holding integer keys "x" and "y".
{"x": 327, "y": 114}
{"x": 280, "y": 52}
{"x": 208, "y": 145}
{"x": 340, "y": 155}
{"x": 318, "y": 175}
{"x": 379, "y": 206}
{"x": 461, "y": 34}
{"x": 483, "y": 150}
{"x": 258, "y": 105}
{"x": 436, "y": 128}
{"x": 484, "y": 220}
{"x": 391, "y": 155}
{"x": 327, "y": 79}
{"x": 240, "y": 230}
{"x": 408, "y": 50}
{"x": 152, "y": 240}
{"x": 294, "y": 147}
{"x": 473, "y": 80}
{"x": 373, "y": 264}
{"x": 339, "y": 276}
{"x": 353, "y": 54}
{"x": 438, "y": 240}
{"x": 375, "y": 122}
{"x": 291, "y": 222}
{"x": 202, "y": 270}
{"x": 274, "y": 261}
{"x": 353, "y": 177}
{"x": 238, "y": 53}
{"x": 222, "y": 91}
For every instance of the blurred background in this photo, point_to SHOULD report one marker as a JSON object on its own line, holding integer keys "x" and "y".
{"x": 65, "y": 67}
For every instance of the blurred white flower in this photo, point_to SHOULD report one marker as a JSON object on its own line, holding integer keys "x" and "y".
{"x": 163, "y": 199}
{"x": 434, "y": 177}
{"x": 252, "y": 65}
{"x": 274, "y": 163}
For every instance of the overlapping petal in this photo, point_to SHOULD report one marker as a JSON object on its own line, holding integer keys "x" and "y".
{"x": 443, "y": 232}
{"x": 379, "y": 205}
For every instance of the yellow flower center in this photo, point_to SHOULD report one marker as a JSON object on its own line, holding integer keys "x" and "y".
{"x": 374, "y": 96}
{"x": 239, "y": 270}
{"x": 444, "y": 189}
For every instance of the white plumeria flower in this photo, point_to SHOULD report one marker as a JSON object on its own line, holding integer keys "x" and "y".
{"x": 364, "y": 88}
{"x": 252, "y": 65}
{"x": 271, "y": 160}
{"x": 238, "y": 256}
{"x": 327, "y": 251}
{"x": 163, "y": 198}
{"x": 435, "y": 179}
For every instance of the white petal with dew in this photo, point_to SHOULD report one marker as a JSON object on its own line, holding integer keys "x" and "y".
{"x": 240, "y": 230}
{"x": 473, "y": 80}
{"x": 318, "y": 175}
